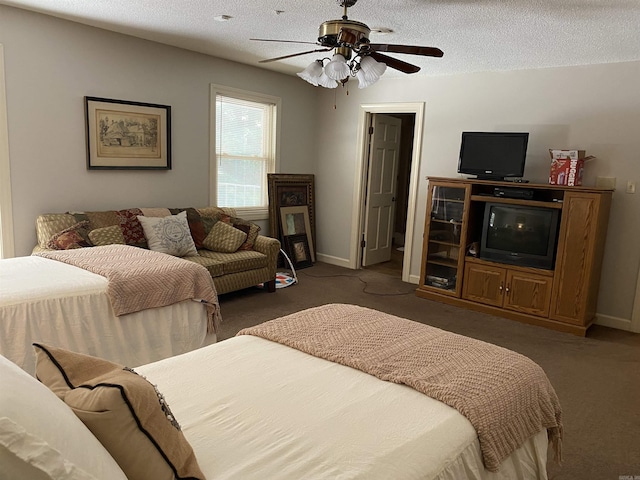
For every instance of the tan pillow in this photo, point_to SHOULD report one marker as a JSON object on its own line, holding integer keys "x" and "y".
{"x": 123, "y": 410}
{"x": 107, "y": 236}
{"x": 224, "y": 238}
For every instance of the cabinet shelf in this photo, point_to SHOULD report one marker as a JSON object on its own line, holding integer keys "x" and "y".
{"x": 445, "y": 262}
{"x": 446, "y": 222}
{"x": 516, "y": 201}
{"x": 446, "y": 244}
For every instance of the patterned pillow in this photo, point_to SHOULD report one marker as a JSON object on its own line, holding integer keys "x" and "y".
{"x": 76, "y": 236}
{"x": 169, "y": 235}
{"x": 251, "y": 229}
{"x": 123, "y": 410}
{"x": 131, "y": 227}
{"x": 107, "y": 236}
{"x": 224, "y": 238}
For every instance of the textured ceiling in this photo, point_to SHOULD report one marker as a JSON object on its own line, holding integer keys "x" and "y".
{"x": 475, "y": 35}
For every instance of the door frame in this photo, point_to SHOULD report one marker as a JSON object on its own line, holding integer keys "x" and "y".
{"x": 7, "y": 247}
{"x": 361, "y": 172}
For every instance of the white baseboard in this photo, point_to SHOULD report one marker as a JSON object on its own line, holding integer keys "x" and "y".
{"x": 614, "y": 322}
{"x": 415, "y": 279}
{"x": 331, "y": 260}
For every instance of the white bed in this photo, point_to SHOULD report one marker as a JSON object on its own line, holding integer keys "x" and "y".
{"x": 254, "y": 409}
{"x": 47, "y": 301}
{"x": 267, "y": 411}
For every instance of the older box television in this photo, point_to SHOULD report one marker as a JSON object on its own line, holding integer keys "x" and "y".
{"x": 493, "y": 155}
{"x": 520, "y": 235}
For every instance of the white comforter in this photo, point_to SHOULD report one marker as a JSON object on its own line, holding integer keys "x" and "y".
{"x": 43, "y": 300}
{"x": 254, "y": 409}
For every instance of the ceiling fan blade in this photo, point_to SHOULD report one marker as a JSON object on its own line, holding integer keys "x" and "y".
{"x": 410, "y": 49}
{"x": 295, "y": 55}
{"x": 282, "y": 41}
{"x": 395, "y": 63}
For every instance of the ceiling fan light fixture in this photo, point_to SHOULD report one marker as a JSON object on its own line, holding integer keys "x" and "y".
{"x": 372, "y": 69}
{"x": 337, "y": 68}
{"x": 327, "y": 82}
{"x": 312, "y": 73}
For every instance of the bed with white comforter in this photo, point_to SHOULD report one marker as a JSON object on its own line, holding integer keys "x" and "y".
{"x": 253, "y": 409}
{"x": 43, "y": 300}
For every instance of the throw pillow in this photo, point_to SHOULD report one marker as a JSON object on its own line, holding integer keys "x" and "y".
{"x": 40, "y": 437}
{"x": 251, "y": 229}
{"x": 123, "y": 410}
{"x": 107, "y": 236}
{"x": 224, "y": 238}
{"x": 196, "y": 226}
{"x": 169, "y": 234}
{"x": 128, "y": 220}
{"x": 76, "y": 236}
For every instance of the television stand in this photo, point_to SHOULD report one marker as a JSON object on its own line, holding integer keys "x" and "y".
{"x": 563, "y": 298}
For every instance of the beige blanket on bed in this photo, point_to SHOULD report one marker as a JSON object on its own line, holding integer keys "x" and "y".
{"x": 140, "y": 279}
{"x": 506, "y": 396}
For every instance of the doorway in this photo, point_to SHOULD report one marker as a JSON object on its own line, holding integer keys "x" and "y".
{"x": 405, "y": 180}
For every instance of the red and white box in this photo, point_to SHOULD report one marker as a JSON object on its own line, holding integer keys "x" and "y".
{"x": 567, "y": 167}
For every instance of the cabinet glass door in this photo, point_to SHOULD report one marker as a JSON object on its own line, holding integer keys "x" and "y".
{"x": 445, "y": 242}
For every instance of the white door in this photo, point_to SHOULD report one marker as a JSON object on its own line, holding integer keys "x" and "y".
{"x": 381, "y": 189}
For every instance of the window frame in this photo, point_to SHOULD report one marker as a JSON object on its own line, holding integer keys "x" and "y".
{"x": 248, "y": 213}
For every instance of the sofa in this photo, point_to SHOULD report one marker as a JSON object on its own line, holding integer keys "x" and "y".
{"x": 230, "y": 248}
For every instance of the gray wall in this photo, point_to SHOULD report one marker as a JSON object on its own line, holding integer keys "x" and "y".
{"x": 51, "y": 64}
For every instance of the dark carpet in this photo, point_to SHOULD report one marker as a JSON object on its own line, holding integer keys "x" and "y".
{"x": 597, "y": 378}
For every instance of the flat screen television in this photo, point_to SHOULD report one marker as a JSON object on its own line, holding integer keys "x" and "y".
{"x": 520, "y": 235}
{"x": 493, "y": 155}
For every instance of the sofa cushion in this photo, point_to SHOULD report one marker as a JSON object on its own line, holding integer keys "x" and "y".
{"x": 107, "y": 236}
{"x": 123, "y": 410}
{"x": 224, "y": 238}
{"x": 75, "y": 236}
{"x": 213, "y": 265}
{"x": 33, "y": 419}
{"x": 169, "y": 235}
{"x": 239, "y": 261}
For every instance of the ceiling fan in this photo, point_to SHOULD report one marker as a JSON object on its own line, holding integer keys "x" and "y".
{"x": 354, "y": 55}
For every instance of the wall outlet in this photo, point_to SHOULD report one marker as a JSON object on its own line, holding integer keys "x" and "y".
{"x": 606, "y": 182}
{"x": 631, "y": 187}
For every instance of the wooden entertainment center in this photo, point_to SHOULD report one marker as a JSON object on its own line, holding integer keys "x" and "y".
{"x": 562, "y": 298}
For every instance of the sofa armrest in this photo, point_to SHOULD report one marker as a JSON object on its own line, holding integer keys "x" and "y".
{"x": 271, "y": 248}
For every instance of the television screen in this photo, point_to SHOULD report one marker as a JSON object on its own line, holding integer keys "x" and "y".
{"x": 520, "y": 235}
{"x": 493, "y": 155}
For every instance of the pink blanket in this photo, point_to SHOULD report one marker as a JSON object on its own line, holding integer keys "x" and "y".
{"x": 506, "y": 396}
{"x": 140, "y": 279}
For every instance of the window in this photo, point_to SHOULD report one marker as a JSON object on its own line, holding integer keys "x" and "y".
{"x": 244, "y": 149}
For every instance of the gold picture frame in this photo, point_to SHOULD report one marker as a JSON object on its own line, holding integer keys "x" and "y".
{"x": 295, "y": 221}
{"x": 124, "y": 135}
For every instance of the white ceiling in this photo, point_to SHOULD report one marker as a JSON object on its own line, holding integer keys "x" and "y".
{"x": 475, "y": 35}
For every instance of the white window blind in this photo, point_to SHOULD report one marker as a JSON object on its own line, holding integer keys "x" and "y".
{"x": 245, "y": 151}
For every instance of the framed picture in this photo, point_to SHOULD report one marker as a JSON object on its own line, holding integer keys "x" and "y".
{"x": 300, "y": 254}
{"x": 295, "y": 221}
{"x": 290, "y": 190}
{"x": 124, "y": 135}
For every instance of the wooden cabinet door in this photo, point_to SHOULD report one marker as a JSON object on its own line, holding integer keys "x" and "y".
{"x": 483, "y": 284}
{"x": 528, "y": 293}
{"x": 575, "y": 259}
